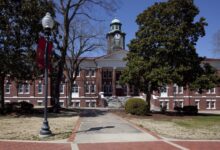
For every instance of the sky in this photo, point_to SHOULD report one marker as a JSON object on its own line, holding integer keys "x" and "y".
{"x": 209, "y": 9}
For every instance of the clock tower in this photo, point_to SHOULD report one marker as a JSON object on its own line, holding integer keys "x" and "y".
{"x": 115, "y": 38}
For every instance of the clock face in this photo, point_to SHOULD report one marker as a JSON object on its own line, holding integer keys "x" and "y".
{"x": 117, "y": 36}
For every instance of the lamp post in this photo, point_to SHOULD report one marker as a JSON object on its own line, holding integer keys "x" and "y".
{"x": 47, "y": 23}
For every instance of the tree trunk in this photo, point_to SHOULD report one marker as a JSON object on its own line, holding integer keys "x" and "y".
{"x": 148, "y": 98}
{"x": 2, "y": 100}
{"x": 69, "y": 94}
{"x": 58, "y": 79}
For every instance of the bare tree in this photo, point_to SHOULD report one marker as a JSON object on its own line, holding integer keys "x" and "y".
{"x": 84, "y": 39}
{"x": 68, "y": 12}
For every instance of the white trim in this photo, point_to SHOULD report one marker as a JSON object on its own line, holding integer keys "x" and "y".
{"x": 75, "y": 100}
{"x": 27, "y": 97}
{"x": 167, "y": 100}
{"x": 24, "y": 101}
{"x": 91, "y": 100}
{"x": 7, "y": 101}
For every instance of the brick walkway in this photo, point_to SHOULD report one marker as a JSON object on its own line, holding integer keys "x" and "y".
{"x": 12, "y": 145}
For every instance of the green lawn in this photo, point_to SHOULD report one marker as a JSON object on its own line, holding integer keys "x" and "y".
{"x": 198, "y": 122}
{"x": 182, "y": 127}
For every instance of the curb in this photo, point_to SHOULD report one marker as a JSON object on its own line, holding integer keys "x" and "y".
{"x": 73, "y": 135}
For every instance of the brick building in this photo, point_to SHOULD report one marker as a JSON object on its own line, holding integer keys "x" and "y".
{"x": 101, "y": 74}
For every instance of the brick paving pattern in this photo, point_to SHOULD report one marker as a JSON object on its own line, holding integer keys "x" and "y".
{"x": 11, "y": 145}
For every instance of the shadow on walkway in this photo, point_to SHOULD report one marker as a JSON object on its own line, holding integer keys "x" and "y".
{"x": 96, "y": 129}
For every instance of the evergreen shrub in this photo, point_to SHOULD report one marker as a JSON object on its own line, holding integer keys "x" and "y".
{"x": 136, "y": 106}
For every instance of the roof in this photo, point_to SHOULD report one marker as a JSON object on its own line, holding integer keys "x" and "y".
{"x": 115, "y": 21}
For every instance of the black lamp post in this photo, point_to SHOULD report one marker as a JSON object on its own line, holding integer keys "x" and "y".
{"x": 47, "y": 23}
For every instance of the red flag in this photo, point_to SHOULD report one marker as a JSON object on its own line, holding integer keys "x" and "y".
{"x": 41, "y": 50}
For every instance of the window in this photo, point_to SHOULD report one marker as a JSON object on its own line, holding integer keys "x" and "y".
{"x": 90, "y": 103}
{"x": 40, "y": 103}
{"x": 20, "y": 88}
{"x": 90, "y": 73}
{"x": 40, "y": 88}
{"x": 87, "y": 73}
{"x": 87, "y": 104}
{"x": 26, "y": 88}
{"x": 61, "y": 88}
{"x": 77, "y": 104}
{"x": 87, "y": 88}
{"x": 211, "y": 91}
{"x": 177, "y": 89}
{"x": 211, "y": 104}
{"x": 109, "y": 74}
{"x": 90, "y": 88}
{"x": 7, "y": 88}
{"x": 164, "y": 103}
{"x": 163, "y": 90}
{"x": 61, "y": 103}
{"x": 178, "y": 103}
{"x": 197, "y": 103}
{"x": 93, "y": 104}
{"x": 117, "y": 27}
{"x": 75, "y": 88}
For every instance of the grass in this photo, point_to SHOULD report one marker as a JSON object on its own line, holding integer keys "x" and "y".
{"x": 180, "y": 127}
{"x": 198, "y": 122}
{"x": 28, "y": 127}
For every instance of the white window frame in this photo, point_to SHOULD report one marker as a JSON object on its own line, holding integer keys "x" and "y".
{"x": 90, "y": 102}
{"x": 87, "y": 72}
{"x": 209, "y": 91}
{"x": 181, "y": 101}
{"x": 198, "y": 102}
{"x": 177, "y": 89}
{"x": 210, "y": 103}
{"x": 26, "y": 87}
{"x": 61, "y": 101}
{"x": 75, "y": 89}
{"x": 41, "y": 88}
{"x": 40, "y": 101}
{"x": 62, "y": 87}
{"x": 7, "y": 88}
{"x": 74, "y": 103}
{"x": 94, "y": 72}
{"x": 20, "y": 88}
{"x": 163, "y": 101}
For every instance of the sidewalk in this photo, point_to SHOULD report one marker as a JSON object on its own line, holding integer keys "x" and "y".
{"x": 101, "y": 130}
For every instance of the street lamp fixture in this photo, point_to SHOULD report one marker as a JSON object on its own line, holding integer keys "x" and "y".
{"x": 47, "y": 23}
